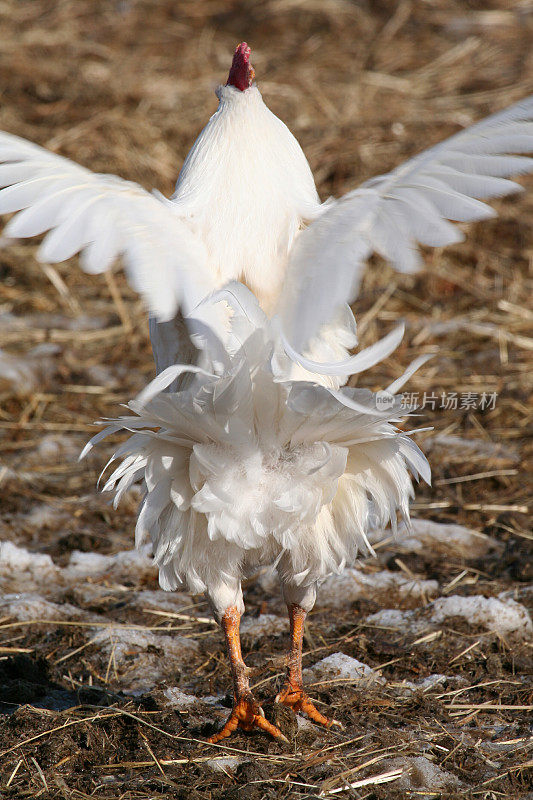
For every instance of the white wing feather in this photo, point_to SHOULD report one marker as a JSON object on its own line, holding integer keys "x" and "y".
{"x": 102, "y": 217}
{"x": 391, "y": 214}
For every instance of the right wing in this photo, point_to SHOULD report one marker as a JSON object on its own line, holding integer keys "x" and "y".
{"x": 392, "y": 213}
{"x": 102, "y": 217}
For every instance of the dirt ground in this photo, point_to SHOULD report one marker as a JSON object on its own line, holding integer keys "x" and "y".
{"x": 108, "y": 687}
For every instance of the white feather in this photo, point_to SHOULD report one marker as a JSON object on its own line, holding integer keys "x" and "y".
{"x": 103, "y": 217}
{"x": 246, "y": 189}
{"x": 245, "y": 468}
{"x": 391, "y": 213}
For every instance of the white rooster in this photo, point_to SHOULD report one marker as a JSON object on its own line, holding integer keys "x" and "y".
{"x": 254, "y": 461}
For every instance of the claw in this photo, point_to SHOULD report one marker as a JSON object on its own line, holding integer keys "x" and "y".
{"x": 247, "y": 714}
{"x": 298, "y": 700}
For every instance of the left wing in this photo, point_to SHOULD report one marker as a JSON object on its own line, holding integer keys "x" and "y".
{"x": 392, "y": 213}
{"x": 102, "y": 217}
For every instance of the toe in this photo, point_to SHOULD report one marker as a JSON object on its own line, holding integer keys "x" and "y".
{"x": 266, "y": 726}
{"x": 312, "y": 712}
{"x": 300, "y": 702}
{"x": 230, "y": 726}
{"x": 247, "y": 714}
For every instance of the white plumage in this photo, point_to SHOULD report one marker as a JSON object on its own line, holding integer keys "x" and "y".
{"x": 243, "y": 194}
{"x": 247, "y": 174}
{"x": 392, "y": 213}
{"x": 248, "y": 467}
{"x": 102, "y": 217}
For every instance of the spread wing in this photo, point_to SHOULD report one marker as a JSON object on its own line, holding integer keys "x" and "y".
{"x": 102, "y": 217}
{"x": 391, "y": 214}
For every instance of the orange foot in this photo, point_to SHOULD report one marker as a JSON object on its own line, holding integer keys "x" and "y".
{"x": 247, "y": 714}
{"x": 296, "y": 698}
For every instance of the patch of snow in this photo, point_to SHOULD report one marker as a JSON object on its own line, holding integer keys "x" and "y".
{"x": 425, "y": 685}
{"x": 29, "y": 606}
{"x": 441, "y": 537}
{"x": 393, "y": 618}
{"x": 213, "y": 700}
{"x": 353, "y": 583}
{"x": 304, "y": 724}
{"x": 264, "y": 625}
{"x": 162, "y": 601}
{"x": 82, "y": 564}
{"x": 223, "y": 763}
{"x": 123, "y": 640}
{"x": 22, "y": 560}
{"x": 502, "y": 616}
{"x": 339, "y": 665}
{"x": 430, "y": 682}
{"x": 179, "y": 699}
{"x": 123, "y": 564}
{"x": 420, "y": 773}
{"x": 140, "y": 659}
{"x": 20, "y": 569}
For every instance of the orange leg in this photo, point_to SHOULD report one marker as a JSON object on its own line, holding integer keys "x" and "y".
{"x": 293, "y": 694}
{"x": 246, "y": 713}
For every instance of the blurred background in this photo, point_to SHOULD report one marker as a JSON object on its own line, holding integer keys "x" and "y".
{"x": 125, "y": 87}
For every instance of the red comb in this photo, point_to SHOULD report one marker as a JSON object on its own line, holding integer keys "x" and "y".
{"x": 241, "y": 73}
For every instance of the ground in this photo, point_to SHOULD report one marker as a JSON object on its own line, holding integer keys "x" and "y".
{"x": 108, "y": 686}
